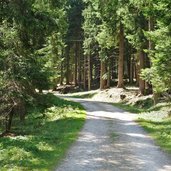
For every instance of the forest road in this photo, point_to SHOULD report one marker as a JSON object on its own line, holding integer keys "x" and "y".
{"x": 111, "y": 141}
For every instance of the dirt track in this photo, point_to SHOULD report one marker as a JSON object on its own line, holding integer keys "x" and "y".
{"x": 112, "y": 141}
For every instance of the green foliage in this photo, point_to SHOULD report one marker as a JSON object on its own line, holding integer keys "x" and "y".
{"x": 37, "y": 43}
{"x": 105, "y": 38}
{"x": 40, "y": 143}
{"x": 160, "y": 71}
{"x": 139, "y": 106}
{"x": 151, "y": 75}
{"x": 52, "y": 51}
{"x": 26, "y": 28}
{"x": 98, "y": 35}
{"x": 90, "y": 26}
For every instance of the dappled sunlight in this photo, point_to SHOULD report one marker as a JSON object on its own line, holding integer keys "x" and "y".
{"x": 137, "y": 135}
{"x": 42, "y": 140}
{"x": 131, "y": 123}
{"x": 111, "y": 140}
{"x": 89, "y": 138}
{"x": 65, "y": 64}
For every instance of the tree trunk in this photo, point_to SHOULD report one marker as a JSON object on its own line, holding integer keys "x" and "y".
{"x": 131, "y": 76}
{"x": 91, "y": 69}
{"x": 62, "y": 71}
{"x": 121, "y": 58}
{"x": 89, "y": 72}
{"x": 76, "y": 64}
{"x": 137, "y": 70}
{"x": 85, "y": 73}
{"x": 141, "y": 82}
{"x": 102, "y": 80}
{"x": 151, "y": 28}
{"x": 67, "y": 74}
{"x": 97, "y": 71}
{"x": 79, "y": 64}
{"x": 150, "y": 47}
{"x": 109, "y": 73}
{"x": 156, "y": 98}
{"x": 9, "y": 121}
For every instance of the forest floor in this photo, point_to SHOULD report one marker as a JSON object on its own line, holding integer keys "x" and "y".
{"x": 112, "y": 138}
{"x": 50, "y": 127}
{"x": 108, "y": 95}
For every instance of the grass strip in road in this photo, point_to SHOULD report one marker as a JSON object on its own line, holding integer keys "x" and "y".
{"x": 155, "y": 120}
{"x": 44, "y": 138}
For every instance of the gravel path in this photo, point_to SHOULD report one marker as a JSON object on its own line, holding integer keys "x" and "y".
{"x": 112, "y": 141}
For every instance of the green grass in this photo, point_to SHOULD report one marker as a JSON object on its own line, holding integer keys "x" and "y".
{"x": 139, "y": 107}
{"x": 160, "y": 131}
{"x": 45, "y": 136}
{"x": 84, "y": 96}
{"x": 129, "y": 108}
{"x": 155, "y": 120}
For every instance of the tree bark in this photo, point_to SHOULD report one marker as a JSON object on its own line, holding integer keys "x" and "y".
{"x": 9, "y": 121}
{"x": 121, "y": 58}
{"x": 76, "y": 64}
{"x": 22, "y": 110}
{"x": 151, "y": 27}
{"x": 137, "y": 69}
{"x": 150, "y": 47}
{"x": 62, "y": 76}
{"x": 67, "y": 74}
{"x": 155, "y": 98}
{"x": 85, "y": 73}
{"x": 131, "y": 76}
{"x": 89, "y": 72}
{"x": 102, "y": 80}
{"x": 79, "y": 64}
{"x": 109, "y": 73}
{"x": 62, "y": 71}
{"x": 97, "y": 70}
{"x": 141, "y": 82}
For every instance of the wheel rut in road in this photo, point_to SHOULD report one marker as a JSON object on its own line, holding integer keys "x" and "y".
{"x": 112, "y": 141}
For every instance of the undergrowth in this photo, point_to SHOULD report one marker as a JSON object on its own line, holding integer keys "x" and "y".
{"x": 42, "y": 140}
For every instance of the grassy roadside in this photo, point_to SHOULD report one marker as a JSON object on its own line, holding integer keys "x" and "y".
{"x": 155, "y": 120}
{"x": 44, "y": 137}
{"x": 84, "y": 96}
{"x": 129, "y": 108}
{"x": 159, "y": 130}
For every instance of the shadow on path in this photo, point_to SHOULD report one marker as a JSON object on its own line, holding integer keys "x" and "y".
{"x": 112, "y": 141}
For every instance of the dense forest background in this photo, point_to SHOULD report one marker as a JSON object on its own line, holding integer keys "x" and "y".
{"x": 87, "y": 43}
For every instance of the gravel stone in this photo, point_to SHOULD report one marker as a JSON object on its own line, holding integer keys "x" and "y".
{"x": 111, "y": 141}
